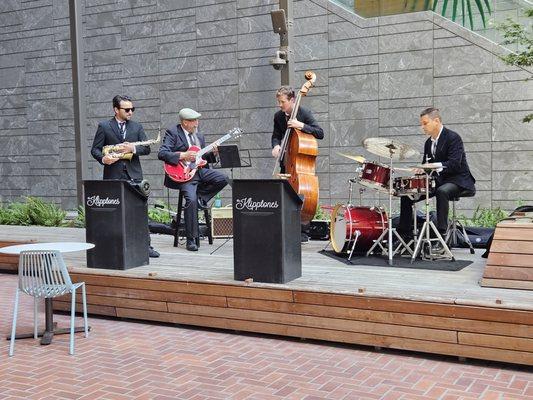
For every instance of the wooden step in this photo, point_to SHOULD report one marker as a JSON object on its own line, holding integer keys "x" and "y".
{"x": 510, "y": 261}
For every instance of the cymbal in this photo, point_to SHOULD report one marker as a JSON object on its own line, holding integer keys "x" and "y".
{"x": 408, "y": 169}
{"x": 359, "y": 159}
{"x": 429, "y": 166}
{"x": 389, "y": 148}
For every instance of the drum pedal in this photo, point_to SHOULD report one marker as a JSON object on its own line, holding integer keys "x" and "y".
{"x": 429, "y": 255}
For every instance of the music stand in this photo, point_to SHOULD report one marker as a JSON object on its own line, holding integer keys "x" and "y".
{"x": 229, "y": 157}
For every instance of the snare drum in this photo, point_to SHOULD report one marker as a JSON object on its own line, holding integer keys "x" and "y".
{"x": 347, "y": 220}
{"x": 375, "y": 176}
{"x": 415, "y": 185}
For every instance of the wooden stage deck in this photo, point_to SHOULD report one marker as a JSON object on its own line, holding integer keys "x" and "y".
{"x": 413, "y": 309}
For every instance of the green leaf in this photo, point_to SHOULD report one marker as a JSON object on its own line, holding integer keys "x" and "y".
{"x": 480, "y": 8}
{"x": 488, "y": 6}
{"x": 454, "y": 11}
{"x": 444, "y": 6}
{"x": 44, "y": 213}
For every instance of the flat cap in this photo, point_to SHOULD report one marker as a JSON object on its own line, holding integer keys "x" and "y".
{"x": 189, "y": 113}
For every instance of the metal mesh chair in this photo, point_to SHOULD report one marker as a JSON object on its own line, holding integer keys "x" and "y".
{"x": 43, "y": 274}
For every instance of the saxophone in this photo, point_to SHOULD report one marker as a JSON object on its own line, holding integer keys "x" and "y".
{"x": 112, "y": 150}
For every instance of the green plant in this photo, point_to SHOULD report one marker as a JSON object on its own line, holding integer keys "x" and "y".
{"x": 484, "y": 217}
{"x": 466, "y": 10}
{"x": 321, "y": 214}
{"x": 33, "y": 211}
{"x": 15, "y": 214}
{"x": 516, "y": 34}
{"x": 162, "y": 213}
{"x": 4, "y": 215}
{"x": 79, "y": 221}
{"x": 44, "y": 213}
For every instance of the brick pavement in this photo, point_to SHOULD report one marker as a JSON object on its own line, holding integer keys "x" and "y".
{"x": 128, "y": 360}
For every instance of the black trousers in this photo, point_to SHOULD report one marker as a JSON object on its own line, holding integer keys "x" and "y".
{"x": 205, "y": 185}
{"x": 443, "y": 193}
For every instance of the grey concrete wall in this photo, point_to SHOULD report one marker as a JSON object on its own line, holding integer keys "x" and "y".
{"x": 374, "y": 77}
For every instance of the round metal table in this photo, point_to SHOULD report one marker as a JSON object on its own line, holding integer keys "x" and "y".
{"x": 63, "y": 247}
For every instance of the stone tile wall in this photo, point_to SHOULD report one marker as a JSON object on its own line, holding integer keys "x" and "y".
{"x": 374, "y": 77}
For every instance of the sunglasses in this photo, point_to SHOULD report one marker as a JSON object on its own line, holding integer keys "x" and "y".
{"x": 128, "y": 109}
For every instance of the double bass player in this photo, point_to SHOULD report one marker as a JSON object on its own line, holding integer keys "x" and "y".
{"x": 304, "y": 121}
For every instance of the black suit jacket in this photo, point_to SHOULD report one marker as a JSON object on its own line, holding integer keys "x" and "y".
{"x": 108, "y": 133}
{"x": 175, "y": 142}
{"x": 303, "y": 115}
{"x": 451, "y": 153}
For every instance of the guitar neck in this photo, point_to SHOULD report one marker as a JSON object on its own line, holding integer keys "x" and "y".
{"x": 207, "y": 149}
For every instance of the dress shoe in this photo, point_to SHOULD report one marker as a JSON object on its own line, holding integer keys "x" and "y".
{"x": 191, "y": 245}
{"x": 152, "y": 252}
{"x": 202, "y": 204}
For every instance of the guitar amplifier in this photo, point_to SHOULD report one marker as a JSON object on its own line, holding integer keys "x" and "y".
{"x": 222, "y": 222}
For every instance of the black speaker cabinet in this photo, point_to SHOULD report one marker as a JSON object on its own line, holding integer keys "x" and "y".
{"x": 116, "y": 221}
{"x": 266, "y": 231}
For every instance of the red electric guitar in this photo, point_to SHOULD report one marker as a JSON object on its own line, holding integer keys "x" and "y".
{"x": 184, "y": 171}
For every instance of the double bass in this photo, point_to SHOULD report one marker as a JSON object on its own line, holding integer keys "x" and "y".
{"x": 298, "y": 155}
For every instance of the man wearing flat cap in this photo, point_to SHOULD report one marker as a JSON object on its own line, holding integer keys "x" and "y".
{"x": 205, "y": 184}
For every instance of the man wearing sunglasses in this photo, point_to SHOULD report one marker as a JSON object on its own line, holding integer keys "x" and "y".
{"x": 121, "y": 131}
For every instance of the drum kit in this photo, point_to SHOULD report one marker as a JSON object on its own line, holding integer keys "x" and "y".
{"x": 363, "y": 229}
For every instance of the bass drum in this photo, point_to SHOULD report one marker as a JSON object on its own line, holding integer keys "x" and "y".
{"x": 347, "y": 220}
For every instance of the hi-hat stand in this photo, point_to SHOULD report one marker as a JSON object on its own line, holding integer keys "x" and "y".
{"x": 425, "y": 232}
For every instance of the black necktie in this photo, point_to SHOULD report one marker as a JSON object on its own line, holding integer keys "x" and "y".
{"x": 122, "y": 126}
{"x": 192, "y": 138}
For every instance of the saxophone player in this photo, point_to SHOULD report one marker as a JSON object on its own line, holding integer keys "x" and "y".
{"x": 120, "y": 132}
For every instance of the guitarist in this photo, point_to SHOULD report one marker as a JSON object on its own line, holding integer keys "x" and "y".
{"x": 205, "y": 184}
{"x": 304, "y": 121}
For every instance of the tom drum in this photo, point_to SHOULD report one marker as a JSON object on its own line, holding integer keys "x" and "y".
{"x": 375, "y": 176}
{"x": 415, "y": 185}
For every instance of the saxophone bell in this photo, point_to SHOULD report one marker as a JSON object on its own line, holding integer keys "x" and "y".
{"x": 114, "y": 150}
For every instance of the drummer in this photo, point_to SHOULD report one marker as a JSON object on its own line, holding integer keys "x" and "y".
{"x": 443, "y": 147}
